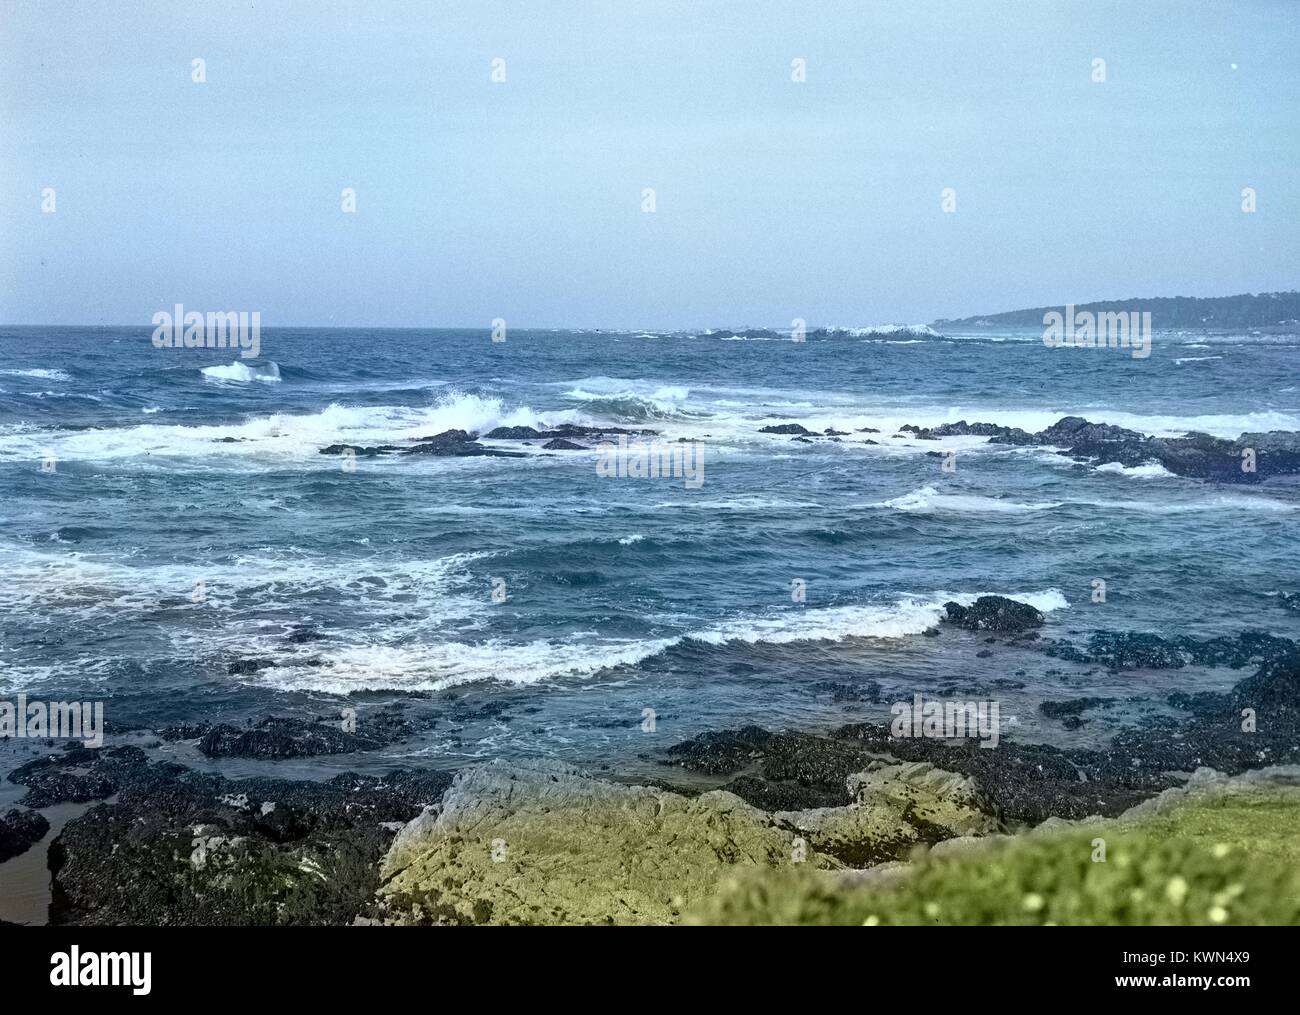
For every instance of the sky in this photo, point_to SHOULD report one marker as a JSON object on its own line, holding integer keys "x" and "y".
{"x": 522, "y": 199}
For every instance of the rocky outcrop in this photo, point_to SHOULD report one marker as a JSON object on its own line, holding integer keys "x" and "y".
{"x": 20, "y": 831}
{"x": 1217, "y": 851}
{"x": 995, "y": 614}
{"x": 543, "y": 843}
{"x": 1121, "y": 650}
{"x": 895, "y": 808}
{"x": 183, "y": 847}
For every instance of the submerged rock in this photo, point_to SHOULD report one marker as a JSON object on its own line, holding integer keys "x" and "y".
{"x": 284, "y": 738}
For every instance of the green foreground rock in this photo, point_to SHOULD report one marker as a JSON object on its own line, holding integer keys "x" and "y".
{"x": 546, "y": 843}
{"x": 1219, "y": 851}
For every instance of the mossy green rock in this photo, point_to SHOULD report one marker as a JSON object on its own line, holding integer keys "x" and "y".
{"x": 543, "y": 843}
{"x": 895, "y": 808}
{"x": 1220, "y": 851}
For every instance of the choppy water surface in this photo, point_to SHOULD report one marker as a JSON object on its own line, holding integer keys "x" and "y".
{"x": 174, "y": 467}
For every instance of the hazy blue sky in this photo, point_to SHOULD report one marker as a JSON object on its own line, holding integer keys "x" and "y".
{"x": 522, "y": 200}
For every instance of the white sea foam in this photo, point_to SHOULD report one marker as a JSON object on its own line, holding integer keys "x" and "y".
{"x": 1149, "y": 470}
{"x": 1194, "y": 359}
{"x": 276, "y": 437}
{"x": 268, "y": 373}
{"x": 438, "y": 665}
{"x": 927, "y": 500}
{"x": 38, "y": 372}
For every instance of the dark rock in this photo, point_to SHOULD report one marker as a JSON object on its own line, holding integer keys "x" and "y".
{"x": 1121, "y": 650}
{"x": 184, "y": 731}
{"x": 78, "y": 775}
{"x": 276, "y": 737}
{"x": 457, "y": 444}
{"x": 574, "y": 430}
{"x": 994, "y": 613}
{"x": 447, "y": 438}
{"x": 20, "y": 831}
{"x": 843, "y": 691}
{"x": 963, "y": 429}
{"x": 559, "y": 444}
{"x": 283, "y": 738}
{"x": 1194, "y": 455}
{"x": 786, "y": 428}
{"x": 186, "y": 848}
{"x": 1072, "y": 707}
{"x": 830, "y": 432}
{"x": 1072, "y": 430}
{"x": 360, "y": 452}
{"x": 512, "y": 433}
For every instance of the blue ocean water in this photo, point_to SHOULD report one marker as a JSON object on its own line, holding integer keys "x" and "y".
{"x": 184, "y": 520}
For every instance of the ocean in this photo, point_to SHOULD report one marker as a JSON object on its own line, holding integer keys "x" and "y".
{"x": 173, "y": 543}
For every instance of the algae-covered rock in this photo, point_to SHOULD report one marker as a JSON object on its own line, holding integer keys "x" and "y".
{"x": 542, "y": 842}
{"x": 1218, "y": 851}
{"x": 895, "y": 808}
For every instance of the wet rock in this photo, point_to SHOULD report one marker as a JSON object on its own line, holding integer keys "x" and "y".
{"x": 831, "y": 432}
{"x": 457, "y": 444}
{"x": 775, "y": 771}
{"x": 963, "y": 429}
{"x": 278, "y": 737}
{"x": 361, "y": 452}
{"x": 20, "y": 831}
{"x": 184, "y": 731}
{"x": 842, "y": 691}
{"x": 1071, "y": 431}
{"x": 1121, "y": 650}
{"x": 512, "y": 433}
{"x": 1193, "y": 455}
{"x": 566, "y": 430}
{"x": 282, "y": 738}
{"x": 302, "y": 635}
{"x": 994, "y": 613}
{"x": 786, "y": 428}
{"x": 559, "y": 444}
{"x": 77, "y": 775}
{"x": 182, "y": 847}
{"x": 1072, "y": 707}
